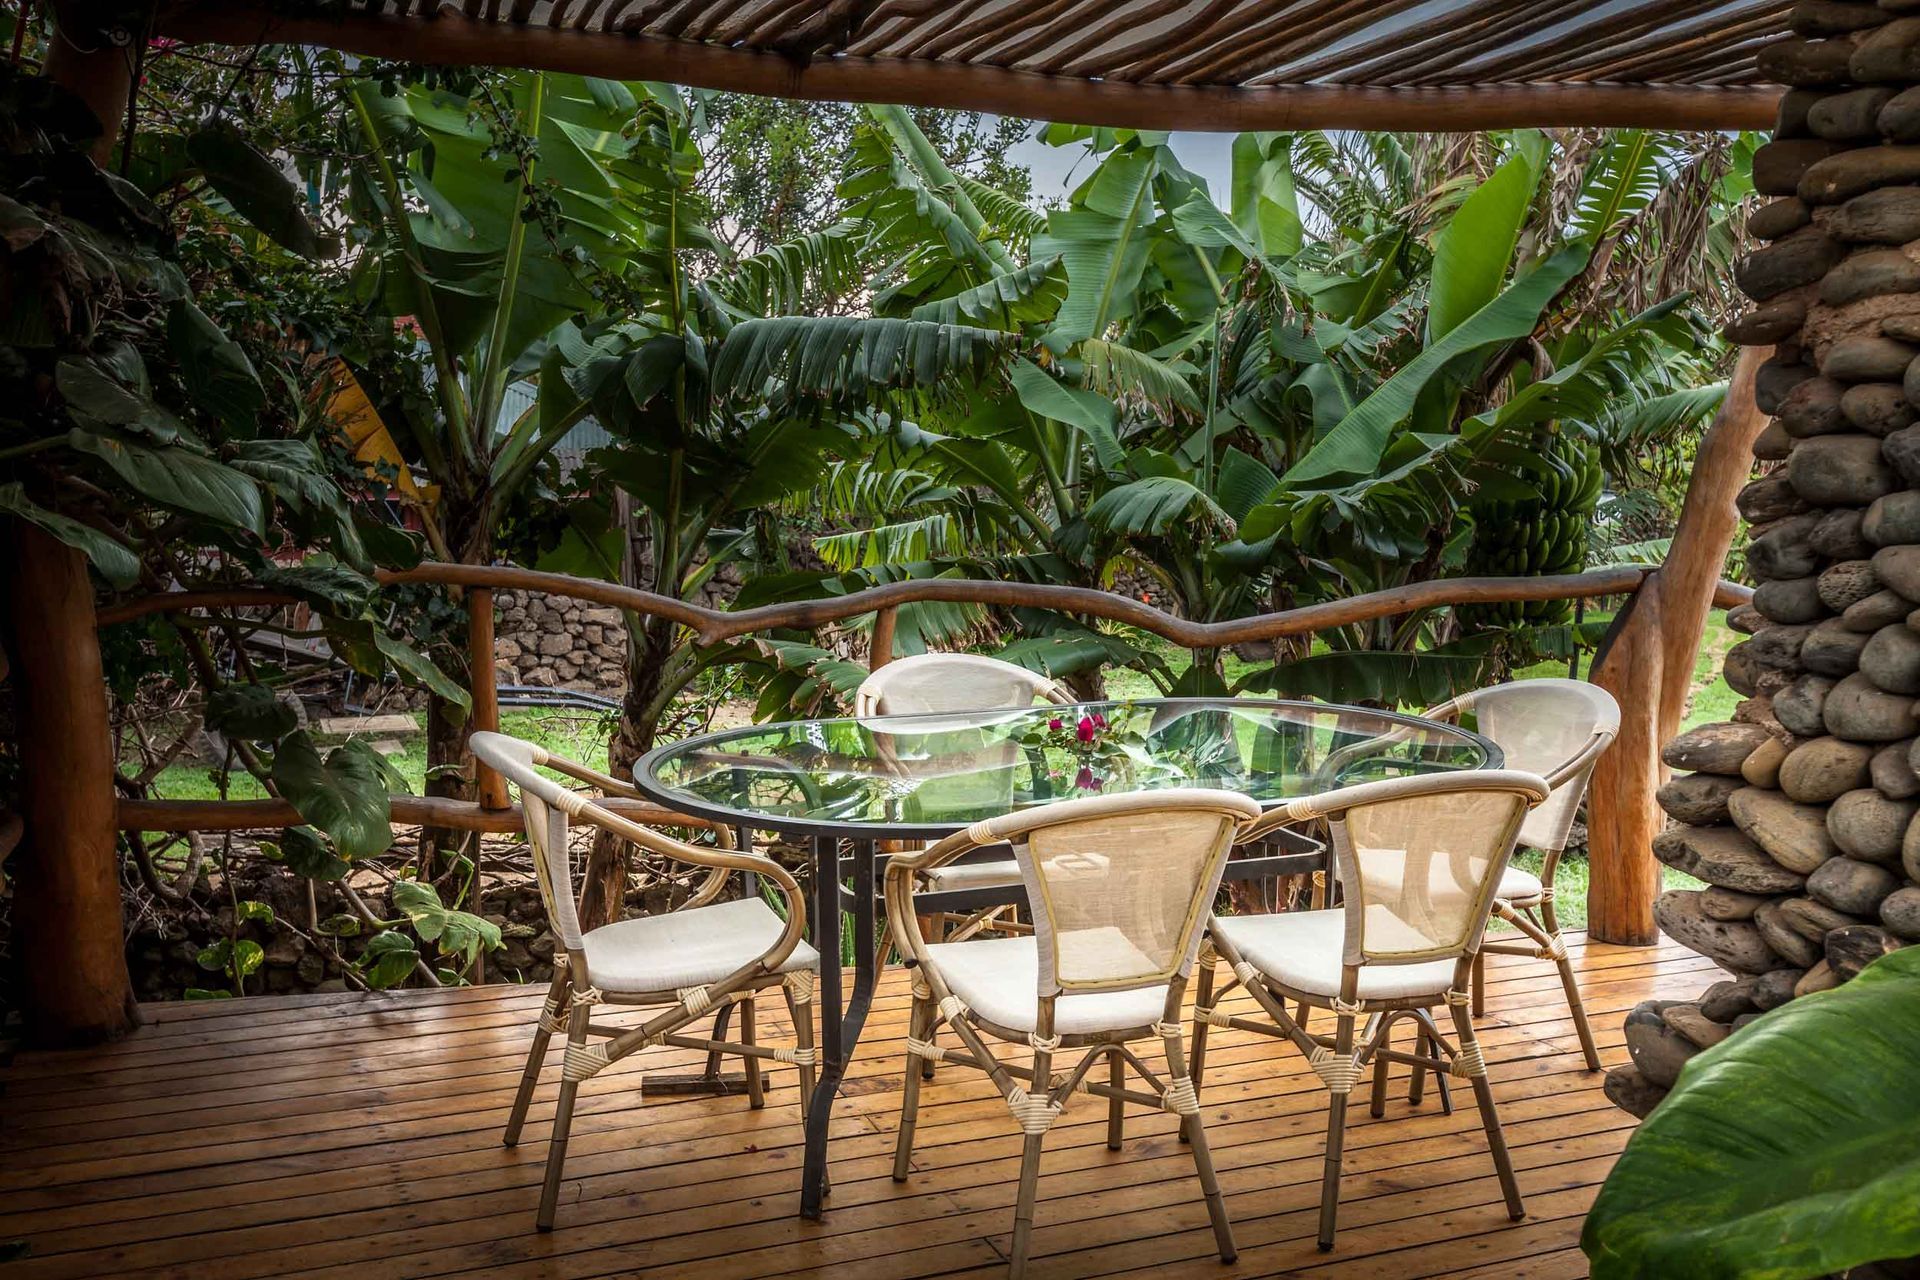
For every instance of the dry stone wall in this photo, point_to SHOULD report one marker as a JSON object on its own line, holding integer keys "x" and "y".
{"x": 1800, "y": 814}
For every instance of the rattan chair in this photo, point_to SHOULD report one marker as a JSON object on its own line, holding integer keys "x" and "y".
{"x": 1121, "y": 887}
{"x": 933, "y": 683}
{"x": 1418, "y": 860}
{"x": 702, "y": 957}
{"x": 1557, "y": 729}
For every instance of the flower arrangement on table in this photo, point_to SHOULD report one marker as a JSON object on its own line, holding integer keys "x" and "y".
{"x": 1083, "y": 752}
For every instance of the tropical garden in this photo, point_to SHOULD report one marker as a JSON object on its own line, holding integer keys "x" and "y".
{"x": 320, "y": 318}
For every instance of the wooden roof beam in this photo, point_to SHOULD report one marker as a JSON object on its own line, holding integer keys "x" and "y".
{"x": 451, "y": 41}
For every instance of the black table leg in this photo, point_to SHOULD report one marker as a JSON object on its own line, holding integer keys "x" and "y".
{"x": 840, "y": 1026}
{"x": 866, "y": 955}
{"x": 833, "y": 1058}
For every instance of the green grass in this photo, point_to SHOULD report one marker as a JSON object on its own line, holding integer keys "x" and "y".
{"x": 580, "y": 735}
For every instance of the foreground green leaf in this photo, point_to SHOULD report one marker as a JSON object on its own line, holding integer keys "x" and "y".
{"x": 1790, "y": 1150}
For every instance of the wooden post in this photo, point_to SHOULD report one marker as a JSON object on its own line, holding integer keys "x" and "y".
{"x": 67, "y": 922}
{"x": 880, "y": 651}
{"x": 1647, "y": 664}
{"x": 486, "y": 690}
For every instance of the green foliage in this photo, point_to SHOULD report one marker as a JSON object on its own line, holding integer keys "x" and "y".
{"x": 344, "y": 794}
{"x": 454, "y": 933}
{"x": 1790, "y": 1150}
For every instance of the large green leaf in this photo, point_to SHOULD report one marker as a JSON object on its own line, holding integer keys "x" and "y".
{"x": 850, "y": 357}
{"x": 249, "y": 711}
{"x": 178, "y": 477}
{"x": 1474, "y": 251}
{"x": 1149, "y": 505}
{"x": 215, "y": 369}
{"x": 254, "y": 185}
{"x": 115, "y": 563}
{"x": 1102, "y": 242}
{"x": 1355, "y": 446}
{"x": 1049, "y": 398}
{"x": 345, "y": 795}
{"x": 1789, "y": 1150}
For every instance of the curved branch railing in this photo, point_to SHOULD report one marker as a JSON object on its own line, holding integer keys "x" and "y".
{"x": 711, "y": 626}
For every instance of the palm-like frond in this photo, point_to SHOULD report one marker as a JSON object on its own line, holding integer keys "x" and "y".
{"x": 780, "y": 277}
{"x": 1028, "y": 295}
{"x": 850, "y": 358}
{"x": 1123, "y": 373}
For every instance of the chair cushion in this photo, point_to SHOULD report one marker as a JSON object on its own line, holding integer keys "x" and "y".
{"x": 688, "y": 948}
{"x": 1520, "y": 886}
{"x": 1301, "y": 951}
{"x": 999, "y": 979}
{"x": 988, "y": 874}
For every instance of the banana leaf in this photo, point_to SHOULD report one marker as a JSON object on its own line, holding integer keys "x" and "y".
{"x": 1789, "y": 1150}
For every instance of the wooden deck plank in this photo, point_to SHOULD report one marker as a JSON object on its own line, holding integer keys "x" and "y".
{"x": 355, "y": 1137}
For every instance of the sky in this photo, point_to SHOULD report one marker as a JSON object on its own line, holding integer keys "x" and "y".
{"x": 1054, "y": 173}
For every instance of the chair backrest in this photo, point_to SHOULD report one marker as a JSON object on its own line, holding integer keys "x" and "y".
{"x": 1120, "y": 886}
{"x": 1555, "y": 728}
{"x": 541, "y": 806}
{"x": 934, "y": 682}
{"x": 1419, "y": 859}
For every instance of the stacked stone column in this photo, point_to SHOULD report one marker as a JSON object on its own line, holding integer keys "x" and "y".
{"x": 1799, "y": 814}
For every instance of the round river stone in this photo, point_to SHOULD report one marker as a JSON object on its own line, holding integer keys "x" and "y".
{"x": 1868, "y": 826}
{"x": 1792, "y": 600}
{"x": 1825, "y": 769}
{"x": 1793, "y": 835}
{"x": 1844, "y": 470}
{"x": 1797, "y": 707}
{"x": 1891, "y": 659}
{"x": 1833, "y": 649}
{"x": 1859, "y": 711}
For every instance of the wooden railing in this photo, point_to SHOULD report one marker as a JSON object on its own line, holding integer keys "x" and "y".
{"x": 492, "y": 811}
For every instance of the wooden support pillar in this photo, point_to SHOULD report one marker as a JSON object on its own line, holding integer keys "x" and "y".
{"x": 67, "y": 927}
{"x": 1647, "y": 664}
{"x": 492, "y": 787}
{"x": 880, "y": 651}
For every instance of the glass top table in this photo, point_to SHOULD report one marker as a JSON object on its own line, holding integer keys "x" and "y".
{"x": 925, "y": 776}
{"x": 848, "y": 785}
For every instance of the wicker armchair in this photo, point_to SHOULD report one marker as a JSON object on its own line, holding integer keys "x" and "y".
{"x": 933, "y": 682}
{"x": 960, "y": 682}
{"x": 1121, "y": 886}
{"x": 1418, "y": 861}
{"x": 1557, "y": 729}
{"x": 704, "y": 956}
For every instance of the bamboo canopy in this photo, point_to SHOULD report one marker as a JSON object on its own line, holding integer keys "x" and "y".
{"x": 1225, "y": 65}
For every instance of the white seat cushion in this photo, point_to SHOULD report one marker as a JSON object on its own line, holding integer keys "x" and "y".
{"x": 999, "y": 979}
{"x": 1301, "y": 950}
{"x": 689, "y": 948}
{"x": 1520, "y": 886}
{"x": 991, "y": 874}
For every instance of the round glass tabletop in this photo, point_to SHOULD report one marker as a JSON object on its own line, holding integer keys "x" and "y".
{"x": 925, "y": 776}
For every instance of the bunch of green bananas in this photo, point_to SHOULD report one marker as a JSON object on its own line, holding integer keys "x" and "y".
{"x": 1537, "y": 536}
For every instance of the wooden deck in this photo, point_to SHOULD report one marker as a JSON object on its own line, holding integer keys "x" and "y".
{"x": 358, "y": 1137}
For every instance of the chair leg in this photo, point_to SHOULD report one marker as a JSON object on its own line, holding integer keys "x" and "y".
{"x": 1194, "y": 1129}
{"x": 562, "y": 1123}
{"x": 1116, "y": 1108}
{"x": 1489, "y": 1118}
{"x": 1480, "y": 985}
{"x": 1423, "y": 1047}
{"x": 756, "y": 1087}
{"x": 802, "y": 1016}
{"x": 1202, "y": 999}
{"x": 918, "y": 1022}
{"x": 536, "y": 1056}
{"x": 1336, "y": 1138}
{"x": 1381, "y": 1039}
{"x": 1023, "y": 1207}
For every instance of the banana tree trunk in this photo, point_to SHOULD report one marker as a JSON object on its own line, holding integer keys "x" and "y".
{"x": 609, "y": 863}
{"x": 450, "y": 768}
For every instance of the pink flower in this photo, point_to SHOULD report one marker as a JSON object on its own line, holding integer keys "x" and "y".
{"x": 1085, "y": 781}
{"x": 1099, "y": 721}
{"x": 1054, "y": 723}
{"x": 1084, "y": 731}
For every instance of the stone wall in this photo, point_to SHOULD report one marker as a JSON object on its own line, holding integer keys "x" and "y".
{"x": 1800, "y": 813}
{"x": 571, "y": 644}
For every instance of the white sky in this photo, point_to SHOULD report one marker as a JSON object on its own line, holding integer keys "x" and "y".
{"x": 1054, "y": 173}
